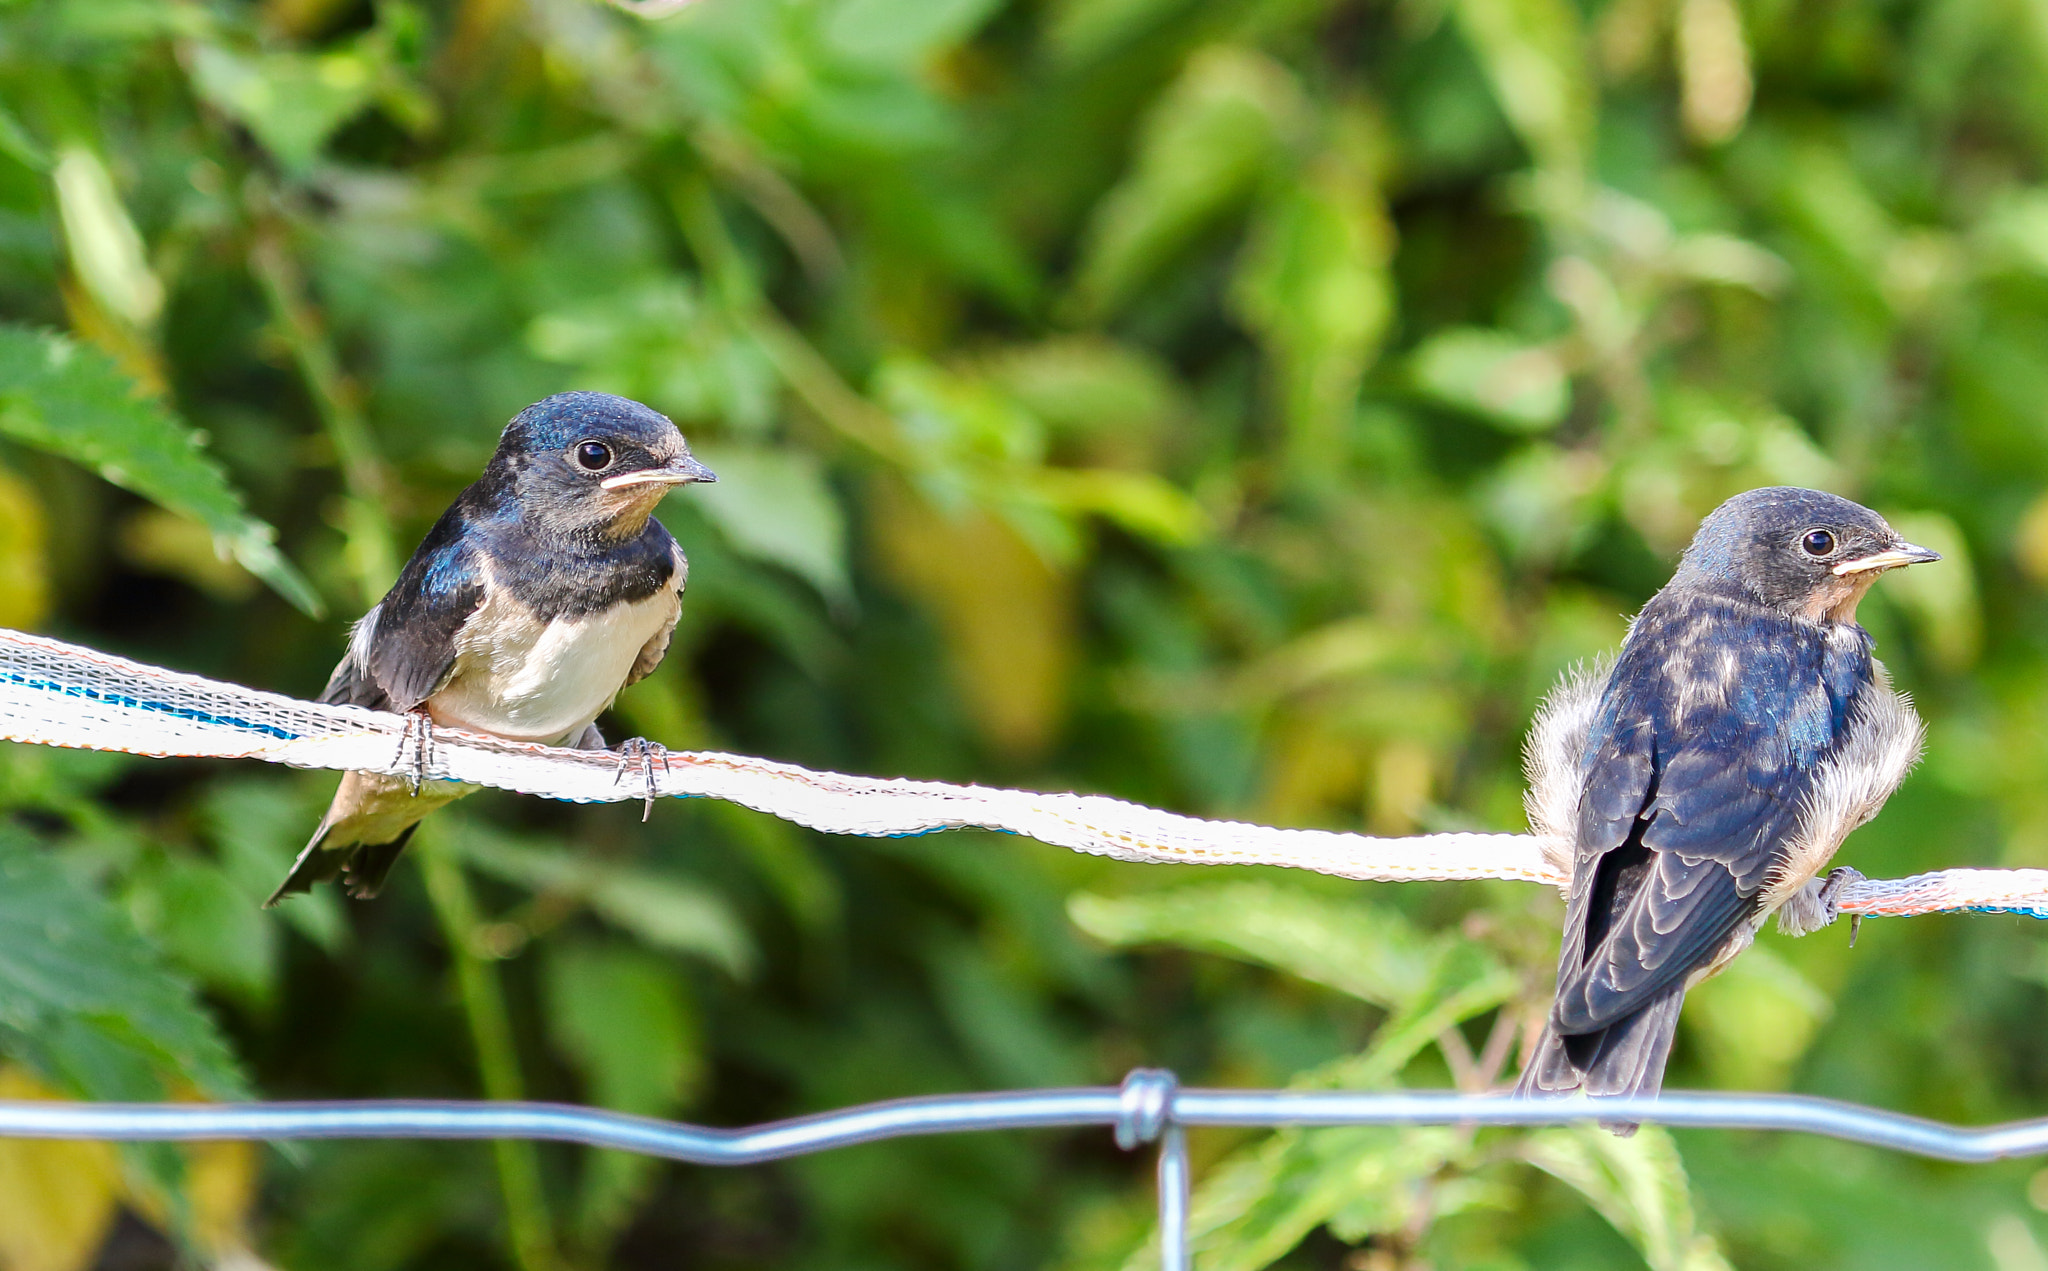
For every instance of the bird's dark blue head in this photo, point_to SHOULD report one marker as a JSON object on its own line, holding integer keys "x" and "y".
{"x": 1804, "y": 553}
{"x": 591, "y": 462}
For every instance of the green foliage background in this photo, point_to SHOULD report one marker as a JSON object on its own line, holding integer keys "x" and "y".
{"x": 1249, "y": 407}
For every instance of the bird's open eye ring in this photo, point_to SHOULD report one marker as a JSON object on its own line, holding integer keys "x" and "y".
{"x": 593, "y": 456}
{"x": 1818, "y": 542}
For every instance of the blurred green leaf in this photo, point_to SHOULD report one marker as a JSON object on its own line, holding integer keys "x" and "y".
{"x": 1534, "y": 58}
{"x": 19, "y": 145}
{"x": 1368, "y": 951}
{"x": 788, "y": 863}
{"x": 256, "y": 825}
{"x": 666, "y": 912}
{"x": 1464, "y": 980}
{"x": 1016, "y": 1041}
{"x": 71, "y": 401}
{"x": 293, "y": 102}
{"x": 620, "y": 1015}
{"x": 1255, "y": 1207}
{"x": 1138, "y": 502}
{"x": 775, "y": 506}
{"x": 1205, "y": 146}
{"x": 106, "y": 249}
{"x": 1262, "y": 1200}
{"x": 206, "y": 924}
{"x": 1314, "y": 286}
{"x": 1637, "y": 1183}
{"x": 61, "y": 781}
{"x": 960, "y": 424}
{"x": 1518, "y": 387}
{"x": 660, "y": 341}
{"x": 1111, "y": 400}
{"x": 1755, "y": 1020}
{"x": 87, "y": 1002}
{"x": 24, "y": 555}
{"x": 1079, "y": 30}
{"x": 888, "y": 31}
{"x": 2014, "y": 232}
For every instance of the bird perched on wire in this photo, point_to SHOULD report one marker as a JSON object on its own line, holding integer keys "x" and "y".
{"x": 540, "y": 593}
{"x": 1705, "y": 780}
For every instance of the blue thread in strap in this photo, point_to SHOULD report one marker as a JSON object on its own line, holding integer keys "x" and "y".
{"x": 137, "y": 703}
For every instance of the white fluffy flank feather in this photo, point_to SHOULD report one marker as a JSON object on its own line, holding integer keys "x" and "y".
{"x": 1884, "y": 742}
{"x": 1553, "y": 759}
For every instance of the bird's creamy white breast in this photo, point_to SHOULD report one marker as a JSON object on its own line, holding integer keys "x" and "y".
{"x": 519, "y": 676}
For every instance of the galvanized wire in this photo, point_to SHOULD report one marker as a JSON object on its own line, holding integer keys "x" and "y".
{"x": 1150, "y": 1106}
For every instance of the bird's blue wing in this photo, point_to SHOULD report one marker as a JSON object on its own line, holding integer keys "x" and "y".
{"x": 404, "y": 649}
{"x": 1695, "y": 775}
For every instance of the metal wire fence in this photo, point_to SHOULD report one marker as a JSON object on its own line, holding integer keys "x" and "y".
{"x": 1150, "y": 1107}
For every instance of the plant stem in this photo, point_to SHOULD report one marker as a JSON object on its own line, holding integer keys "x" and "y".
{"x": 527, "y": 1221}
{"x": 372, "y": 546}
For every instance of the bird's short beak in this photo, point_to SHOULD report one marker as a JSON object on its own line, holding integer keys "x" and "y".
{"x": 682, "y": 470}
{"x": 1889, "y": 558}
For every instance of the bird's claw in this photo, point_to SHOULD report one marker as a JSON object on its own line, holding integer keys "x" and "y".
{"x": 1831, "y": 897}
{"x": 418, "y": 740}
{"x": 648, "y": 754}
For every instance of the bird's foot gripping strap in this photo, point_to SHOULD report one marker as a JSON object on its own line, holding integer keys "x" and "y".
{"x": 415, "y": 749}
{"x": 1820, "y": 903}
{"x": 647, "y": 754}
{"x": 1831, "y": 897}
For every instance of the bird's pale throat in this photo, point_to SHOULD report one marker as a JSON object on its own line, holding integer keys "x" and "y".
{"x": 1836, "y": 599}
{"x": 625, "y": 511}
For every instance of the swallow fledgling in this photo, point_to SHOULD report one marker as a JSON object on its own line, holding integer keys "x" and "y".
{"x": 543, "y": 590}
{"x": 1707, "y": 777}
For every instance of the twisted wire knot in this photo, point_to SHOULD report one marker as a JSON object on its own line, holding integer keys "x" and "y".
{"x": 1144, "y": 1106}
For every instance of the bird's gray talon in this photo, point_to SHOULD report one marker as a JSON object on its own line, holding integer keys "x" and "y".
{"x": 1831, "y": 895}
{"x": 647, "y": 753}
{"x": 418, "y": 739}
{"x": 398, "y": 757}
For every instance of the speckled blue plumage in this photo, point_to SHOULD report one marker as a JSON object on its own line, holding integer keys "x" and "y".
{"x": 1709, "y": 787}
{"x": 1742, "y": 688}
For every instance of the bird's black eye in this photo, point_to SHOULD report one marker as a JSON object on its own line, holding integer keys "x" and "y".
{"x": 593, "y": 455}
{"x": 1818, "y": 542}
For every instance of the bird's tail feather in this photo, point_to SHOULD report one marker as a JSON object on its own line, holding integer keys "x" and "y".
{"x": 362, "y": 867}
{"x": 1625, "y": 1058}
{"x": 369, "y": 865}
{"x": 1548, "y": 1071}
{"x": 312, "y": 866}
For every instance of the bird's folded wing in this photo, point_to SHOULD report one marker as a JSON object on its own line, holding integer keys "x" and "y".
{"x": 1714, "y": 797}
{"x": 351, "y": 685}
{"x": 1674, "y": 921}
{"x": 410, "y": 650}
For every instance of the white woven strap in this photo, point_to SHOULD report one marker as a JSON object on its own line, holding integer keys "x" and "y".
{"x": 62, "y": 695}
